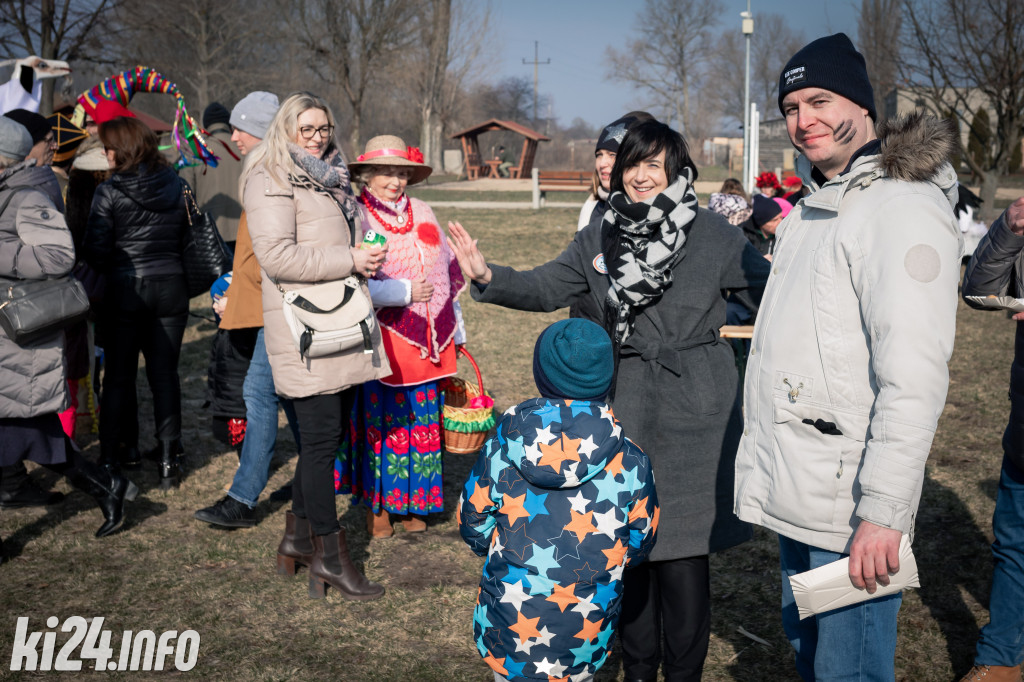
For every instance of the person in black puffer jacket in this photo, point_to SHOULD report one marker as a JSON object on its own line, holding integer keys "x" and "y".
{"x": 134, "y": 236}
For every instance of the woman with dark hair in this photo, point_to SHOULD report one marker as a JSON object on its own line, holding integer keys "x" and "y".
{"x": 134, "y": 237}
{"x": 658, "y": 266}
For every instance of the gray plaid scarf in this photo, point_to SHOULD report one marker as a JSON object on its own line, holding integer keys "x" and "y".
{"x": 329, "y": 175}
{"x": 645, "y": 240}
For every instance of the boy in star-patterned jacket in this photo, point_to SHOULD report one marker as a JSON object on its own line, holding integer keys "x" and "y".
{"x": 561, "y": 502}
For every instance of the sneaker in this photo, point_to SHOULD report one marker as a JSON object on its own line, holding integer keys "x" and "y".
{"x": 993, "y": 673}
{"x": 229, "y": 513}
{"x": 28, "y": 494}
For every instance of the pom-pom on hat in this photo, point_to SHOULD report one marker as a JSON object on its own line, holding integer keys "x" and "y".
{"x": 390, "y": 150}
{"x": 15, "y": 140}
{"x": 573, "y": 359}
{"x": 831, "y": 63}
{"x": 254, "y": 112}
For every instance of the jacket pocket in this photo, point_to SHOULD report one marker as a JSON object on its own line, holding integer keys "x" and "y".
{"x": 815, "y": 454}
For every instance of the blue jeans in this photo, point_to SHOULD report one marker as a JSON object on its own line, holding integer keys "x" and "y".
{"x": 1002, "y": 640}
{"x": 856, "y": 642}
{"x": 261, "y": 403}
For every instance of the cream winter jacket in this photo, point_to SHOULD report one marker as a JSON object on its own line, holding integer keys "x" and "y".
{"x": 300, "y": 237}
{"x": 847, "y": 372}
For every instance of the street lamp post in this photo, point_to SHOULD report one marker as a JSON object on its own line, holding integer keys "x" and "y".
{"x": 748, "y": 30}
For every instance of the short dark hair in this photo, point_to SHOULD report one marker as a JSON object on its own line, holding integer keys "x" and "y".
{"x": 648, "y": 139}
{"x": 134, "y": 145}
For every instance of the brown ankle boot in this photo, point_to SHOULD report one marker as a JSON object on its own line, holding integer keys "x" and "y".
{"x": 296, "y": 548}
{"x": 379, "y": 524}
{"x": 333, "y": 566}
{"x": 993, "y": 673}
{"x": 414, "y": 524}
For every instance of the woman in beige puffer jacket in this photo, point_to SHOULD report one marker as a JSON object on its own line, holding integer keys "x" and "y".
{"x": 304, "y": 226}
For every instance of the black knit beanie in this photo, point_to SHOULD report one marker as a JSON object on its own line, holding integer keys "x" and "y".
{"x": 831, "y": 63}
{"x": 36, "y": 124}
{"x": 216, "y": 113}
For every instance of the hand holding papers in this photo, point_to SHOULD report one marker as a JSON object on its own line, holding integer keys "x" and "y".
{"x": 828, "y": 587}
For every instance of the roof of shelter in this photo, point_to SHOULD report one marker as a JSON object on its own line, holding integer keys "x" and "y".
{"x": 496, "y": 124}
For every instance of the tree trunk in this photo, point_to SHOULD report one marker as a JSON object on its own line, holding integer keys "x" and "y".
{"x": 437, "y": 66}
{"x": 47, "y": 50}
{"x": 353, "y": 138}
{"x": 989, "y": 185}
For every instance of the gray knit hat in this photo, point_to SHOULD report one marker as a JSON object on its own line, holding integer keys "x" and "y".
{"x": 254, "y": 112}
{"x": 15, "y": 140}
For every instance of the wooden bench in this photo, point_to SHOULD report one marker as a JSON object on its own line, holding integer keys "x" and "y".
{"x": 559, "y": 181}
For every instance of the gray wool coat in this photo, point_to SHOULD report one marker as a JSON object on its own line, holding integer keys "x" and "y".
{"x": 676, "y": 391}
{"x": 35, "y": 243}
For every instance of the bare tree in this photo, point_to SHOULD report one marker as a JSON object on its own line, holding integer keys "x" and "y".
{"x": 349, "y": 43}
{"x": 451, "y": 44}
{"x": 771, "y": 45}
{"x": 52, "y": 29}
{"x": 210, "y": 48}
{"x": 668, "y": 57}
{"x": 963, "y": 51}
{"x": 878, "y": 36}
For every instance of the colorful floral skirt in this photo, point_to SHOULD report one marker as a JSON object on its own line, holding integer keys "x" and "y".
{"x": 392, "y": 458}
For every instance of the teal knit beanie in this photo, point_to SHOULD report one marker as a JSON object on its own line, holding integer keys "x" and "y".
{"x": 573, "y": 359}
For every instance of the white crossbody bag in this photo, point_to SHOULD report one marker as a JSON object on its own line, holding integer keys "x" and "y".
{"x": 330, "y": 318}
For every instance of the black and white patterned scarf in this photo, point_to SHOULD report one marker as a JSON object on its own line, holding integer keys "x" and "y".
{"x": 330, "y": 176}
{"x": 644, "y": 241}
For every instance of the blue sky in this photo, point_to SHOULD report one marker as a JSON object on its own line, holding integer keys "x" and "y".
{"x": 574, "y": 35}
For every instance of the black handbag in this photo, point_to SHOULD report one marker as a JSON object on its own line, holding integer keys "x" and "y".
{"x": 30, "y": 309}
{"x": 205, "y": 255}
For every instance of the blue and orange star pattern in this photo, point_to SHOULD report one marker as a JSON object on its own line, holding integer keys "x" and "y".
{"x": 560, "y": 502}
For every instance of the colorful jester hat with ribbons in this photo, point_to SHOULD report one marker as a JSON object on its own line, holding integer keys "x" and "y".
{"x": 186, "y": 134}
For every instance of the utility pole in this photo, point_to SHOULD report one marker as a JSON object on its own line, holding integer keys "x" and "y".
{"x": 536, "y": 62}
{"x": 748, "y": 29}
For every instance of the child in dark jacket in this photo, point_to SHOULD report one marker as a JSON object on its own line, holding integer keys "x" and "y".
{"x": 561, "y": 502}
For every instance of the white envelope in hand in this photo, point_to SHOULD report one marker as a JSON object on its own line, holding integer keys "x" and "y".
{"x": 828, "y": 587}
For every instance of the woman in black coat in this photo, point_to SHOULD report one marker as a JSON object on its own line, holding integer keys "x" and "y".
{"x": 658, "y": 266}
{"x": 134, "y": 237}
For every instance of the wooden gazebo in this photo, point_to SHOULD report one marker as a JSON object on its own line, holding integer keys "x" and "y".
{"x": 477, "y": 167}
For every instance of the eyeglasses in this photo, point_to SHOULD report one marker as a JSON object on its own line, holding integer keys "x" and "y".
{"x": 308, "y": 132}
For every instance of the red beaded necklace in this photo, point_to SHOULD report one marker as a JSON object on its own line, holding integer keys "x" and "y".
{"x": 404, "y": 221}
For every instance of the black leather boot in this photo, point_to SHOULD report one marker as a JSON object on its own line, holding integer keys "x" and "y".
{"x": 296, "y": 548}
{"x": 333, "y": 566}
{"x": 109, "y": 488}
{"x": 168, "y": 452}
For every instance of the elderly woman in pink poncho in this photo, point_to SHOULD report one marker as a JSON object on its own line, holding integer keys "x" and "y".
{"x": 392, "y": 463}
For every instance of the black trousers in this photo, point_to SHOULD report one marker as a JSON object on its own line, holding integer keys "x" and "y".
{"x": 323, "y": 420}
{"x": 666, "y": 618}
{"x": 147, "y": 315}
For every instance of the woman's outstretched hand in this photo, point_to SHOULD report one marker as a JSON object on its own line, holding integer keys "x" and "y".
{"x": 468, "y": 254}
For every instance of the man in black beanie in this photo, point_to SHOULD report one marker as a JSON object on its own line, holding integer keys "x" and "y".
{"x": 847, "y": 373}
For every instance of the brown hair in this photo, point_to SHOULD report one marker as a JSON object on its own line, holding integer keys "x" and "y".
{"x": 734, "y": 186}
{"x": 134, "y": 144}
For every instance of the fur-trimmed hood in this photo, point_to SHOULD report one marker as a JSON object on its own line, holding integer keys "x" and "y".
{"x": 915, "y": 147}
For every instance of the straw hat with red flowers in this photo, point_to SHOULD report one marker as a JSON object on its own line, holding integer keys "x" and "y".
{"x": 390, "y": 150}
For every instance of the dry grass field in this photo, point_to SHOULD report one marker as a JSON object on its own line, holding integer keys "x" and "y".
{"x": 166, "y": 571}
